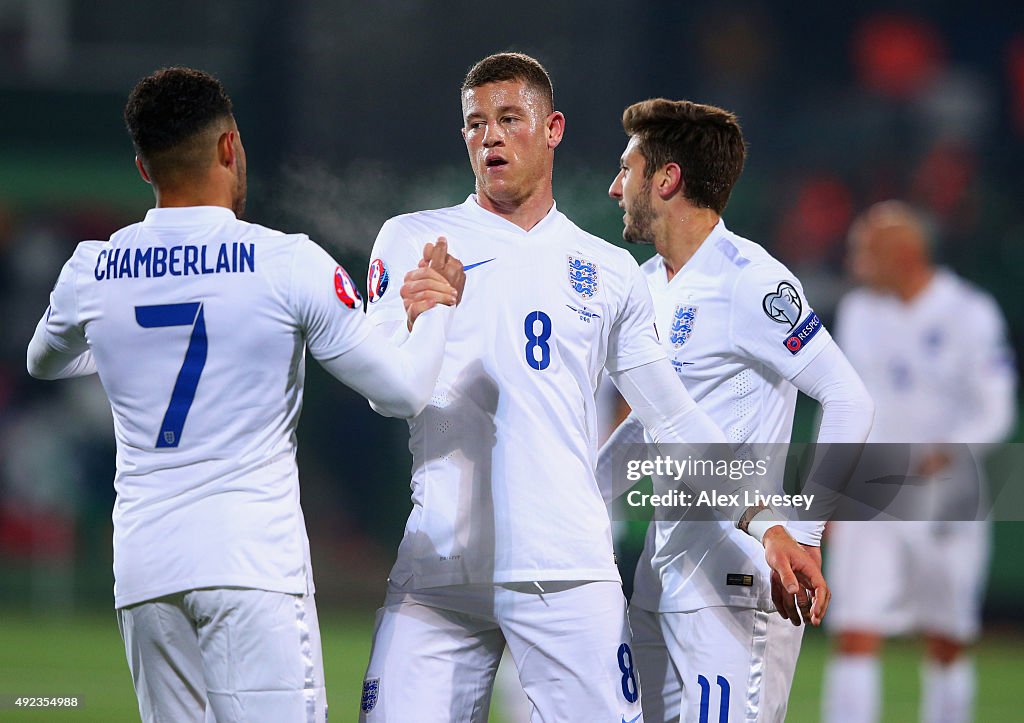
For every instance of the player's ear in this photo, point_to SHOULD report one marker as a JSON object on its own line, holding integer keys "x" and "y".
{"x": 556, "y": 127}
{"x": 670, "y": 180}
{"x": 142, "y": 171}
{"x": 226, "y": 154}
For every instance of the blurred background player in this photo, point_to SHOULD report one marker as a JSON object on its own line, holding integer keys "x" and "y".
{"x": 742, "y": 339}
{"x": 509, "y": 539}
{"x": 933, "y": 351}
{"x": 197, "y": 324}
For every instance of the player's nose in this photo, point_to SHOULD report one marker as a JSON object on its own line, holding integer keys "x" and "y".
{"x": 493, "y": 135}
{"x": 615, "y": 190}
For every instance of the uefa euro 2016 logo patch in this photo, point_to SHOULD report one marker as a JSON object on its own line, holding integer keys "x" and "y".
{"x": 376, "y": 280}
{"x": 783, "y": 305}
{"x": 346, "y": 290}
{"x": 583, "y": 276}
{"x": 682, "y": 324}
{"x": 371, "y": 687}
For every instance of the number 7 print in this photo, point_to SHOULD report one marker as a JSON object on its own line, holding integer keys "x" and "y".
{"x": 188, "y": 314}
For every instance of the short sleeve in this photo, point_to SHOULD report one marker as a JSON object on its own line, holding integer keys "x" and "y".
{"x": 325, "y": 302}
{"x": 634, "y": 340}
{"x": 393, "y": 255}
{"x": 771, "y": 320}
{"x": 64, "y": 331}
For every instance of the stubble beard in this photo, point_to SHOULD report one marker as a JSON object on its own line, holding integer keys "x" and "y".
{"x": 638, "y": 230}
{"x": 241, "y": 191}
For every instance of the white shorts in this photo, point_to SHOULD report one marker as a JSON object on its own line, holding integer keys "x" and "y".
{"x": 715, "y": 665}
{"x": 226, "y": 654}
{"x": 435, "y": 652}
{"x": 893, "y": 578}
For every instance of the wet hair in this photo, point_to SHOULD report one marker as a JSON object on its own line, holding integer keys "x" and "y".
{"x": 706, "y": 142}
{"x": 511, "y": 66}
{"x": 169, "y": 115}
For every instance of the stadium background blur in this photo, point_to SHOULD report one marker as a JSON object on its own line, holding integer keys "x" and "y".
{"x": 350, "y": 114}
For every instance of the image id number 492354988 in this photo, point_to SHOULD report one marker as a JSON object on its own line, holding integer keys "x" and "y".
{"x": 39, "y": 701}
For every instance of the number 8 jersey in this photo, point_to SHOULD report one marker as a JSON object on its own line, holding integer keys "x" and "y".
{"x": 197, "y": 323}
{"x": 503, "y": 485}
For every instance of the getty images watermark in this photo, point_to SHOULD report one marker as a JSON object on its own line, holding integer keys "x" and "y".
{"x": 735, "y": 470}
{"x": 924, "y": 482}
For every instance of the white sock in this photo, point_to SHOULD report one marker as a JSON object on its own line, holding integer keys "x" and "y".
{"x": 853, "y": 685}
{"x": 947, "y": 691}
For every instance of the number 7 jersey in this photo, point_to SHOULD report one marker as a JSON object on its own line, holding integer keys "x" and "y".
{"x": 503, "y": 485}
{"x": 198, "y": 324}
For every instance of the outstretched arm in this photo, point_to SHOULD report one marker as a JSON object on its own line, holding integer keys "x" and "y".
{"x": 671, "y": 416}
{"x": 847, "y": 412}
{"x": 397, "y": 379}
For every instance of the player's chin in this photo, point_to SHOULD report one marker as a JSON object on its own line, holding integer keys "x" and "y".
{"x": 630, "y": 235}
{"x": 499, "y": 189}
{"x": 492, "y": 176}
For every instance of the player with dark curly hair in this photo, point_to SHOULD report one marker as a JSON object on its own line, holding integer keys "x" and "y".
{"x": 197, "y": 323}
{"x": 175, "y": 117}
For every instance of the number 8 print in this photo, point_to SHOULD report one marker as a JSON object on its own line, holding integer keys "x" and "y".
{"x": 538, "y": 341}
{"x": 630, "y": 691}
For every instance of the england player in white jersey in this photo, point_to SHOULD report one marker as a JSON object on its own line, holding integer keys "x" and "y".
{"x": 930, "y": 387}
{"x": 509, "y": 539}
{"x": 197, "y": 324}
{"x": 743, "y": 339}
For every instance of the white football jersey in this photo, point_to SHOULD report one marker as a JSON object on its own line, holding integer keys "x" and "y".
{"x": 929, "y": 376}
{"x": 737, "y": 327}
{"x": 933, "y": 383}
{"x": 198, "y": 324}
{"x": 941, "y": 370}
{"x": 503, "y": 484}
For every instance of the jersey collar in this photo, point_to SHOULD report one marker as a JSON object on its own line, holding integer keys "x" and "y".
{"x": 495, "y": 220}
{"x": 713, "y": 239}
{"x": 694, "y": 262}
{"x": 932, "y": 293}
{"x": 188, "y": 216}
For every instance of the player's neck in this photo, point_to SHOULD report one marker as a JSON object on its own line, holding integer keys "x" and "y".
{"x": 524, "y": 213}
{"x": 197, "y": 195}
{"x": 684, "y": 233}
{"x": 915, "y": 282}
